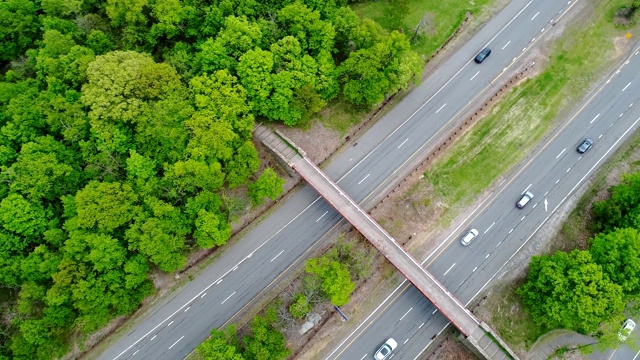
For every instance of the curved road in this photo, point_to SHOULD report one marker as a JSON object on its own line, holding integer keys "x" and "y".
{"x": 179, "y": 322}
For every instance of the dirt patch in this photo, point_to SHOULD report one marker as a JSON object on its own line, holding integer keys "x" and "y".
{"x": 451, "y": 350}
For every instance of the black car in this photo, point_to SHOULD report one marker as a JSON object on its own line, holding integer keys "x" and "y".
{"x": 482, "y": 55}
{"x": 586, "y": 145}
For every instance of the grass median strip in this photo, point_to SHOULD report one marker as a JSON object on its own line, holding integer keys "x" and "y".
{"x": 519, "y": 121}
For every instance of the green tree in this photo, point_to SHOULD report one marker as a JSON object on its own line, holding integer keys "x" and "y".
{"x": 282, "y": 84}
{"x": 622, "y": 208}
{"x": 169, "y": 14}
{"x": 212, "y": 229}
{"x": 220, "y": 346}
{"x": 61, "y": 8}
{"x": 120, "y": 88}
{"x": 160, "y": 133}
{"x": 188, "y": 177}
{"x": 125, "y": 12}
{"x": 41, "y": 171}
{"x": 106, "y": 206}
{"x": 299, "y": 307}
{"x": 265, "y": 341}
{"x": 159, "y": 235}
{"x": 618, "y": 252}
{"x": 244, "y": 163}
{"x": 268, "y": 185}
{"x": 220, "y": 96}
{"x": 569, "y": 290}
{"x": 19, "y": 27}
{"x": 61, "y": 59}
{"x": 315, "y": 35}
{"x": 24, "y": 121}
{"x": 236, "y": 37}
{"x": 345, "y": 21}
{"x": 100, "y": 42}
{"x": 335, "y": 278}
{"x": 22, "y": 217}
{"x": 371, "y": 73}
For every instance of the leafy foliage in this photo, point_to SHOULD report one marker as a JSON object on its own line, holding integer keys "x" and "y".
{"x": 622, "y": 209}
{"x": 264, "y": 342}
{"x": 299, "y": 307}
{"x": 335, "y": 279}
{"x": 268, "y": 185}
{"x": 569, "y": 290}
{"x": 123, "y": 124}
{"x": 220, "y": 346}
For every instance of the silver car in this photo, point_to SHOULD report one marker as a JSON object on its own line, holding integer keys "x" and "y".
{"x": 524, "y": 200}
{"x": 469, "y": 236}
{"x": 626, "y": 329}
{"x": 585, "y": 145}
{"x": 386, "y": 349}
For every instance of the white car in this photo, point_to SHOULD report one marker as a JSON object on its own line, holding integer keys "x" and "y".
{"x": 524, "y": 200}
{"x": 469, "y": 236}
{"x": 386, "y": 349}
{"x": 627, "y": 328}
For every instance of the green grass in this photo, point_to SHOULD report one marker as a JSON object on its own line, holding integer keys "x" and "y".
{"x": 519, "y": 121}
{"x": 442, "y": 17}
{"x": 341, "y": 116}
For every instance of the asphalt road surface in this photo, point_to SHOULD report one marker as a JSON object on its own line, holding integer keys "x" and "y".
{"x": 179, "y": 322}
{"x": 552, "y": 173}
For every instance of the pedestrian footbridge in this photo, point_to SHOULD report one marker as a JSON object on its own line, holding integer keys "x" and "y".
{"x": 478, "y": 334}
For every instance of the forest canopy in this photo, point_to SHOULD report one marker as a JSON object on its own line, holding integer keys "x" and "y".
{"x": 122, "y": 124}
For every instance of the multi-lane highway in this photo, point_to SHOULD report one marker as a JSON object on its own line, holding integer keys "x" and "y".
{"x": 179, "y": 322}
{"x": 552, "y": 173}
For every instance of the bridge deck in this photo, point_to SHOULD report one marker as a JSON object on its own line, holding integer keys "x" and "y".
{"x": 473, "y": 330}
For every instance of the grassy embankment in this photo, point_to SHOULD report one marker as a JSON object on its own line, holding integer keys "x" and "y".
{"x": 518, "y": 122}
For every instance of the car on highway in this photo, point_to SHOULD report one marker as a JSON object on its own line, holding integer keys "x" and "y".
{"x": 585, "y": 145}
{"x": 386, "y": 349}
{"x": 627, "y": 328}
{"x": 524, "y": 199}
{"x": 469, "y": 236}
{"x": 482, "y": 55}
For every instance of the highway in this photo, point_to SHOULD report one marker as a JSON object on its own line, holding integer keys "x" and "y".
{"x": 552, "y": 173}
{"x": 175, "y": 325}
